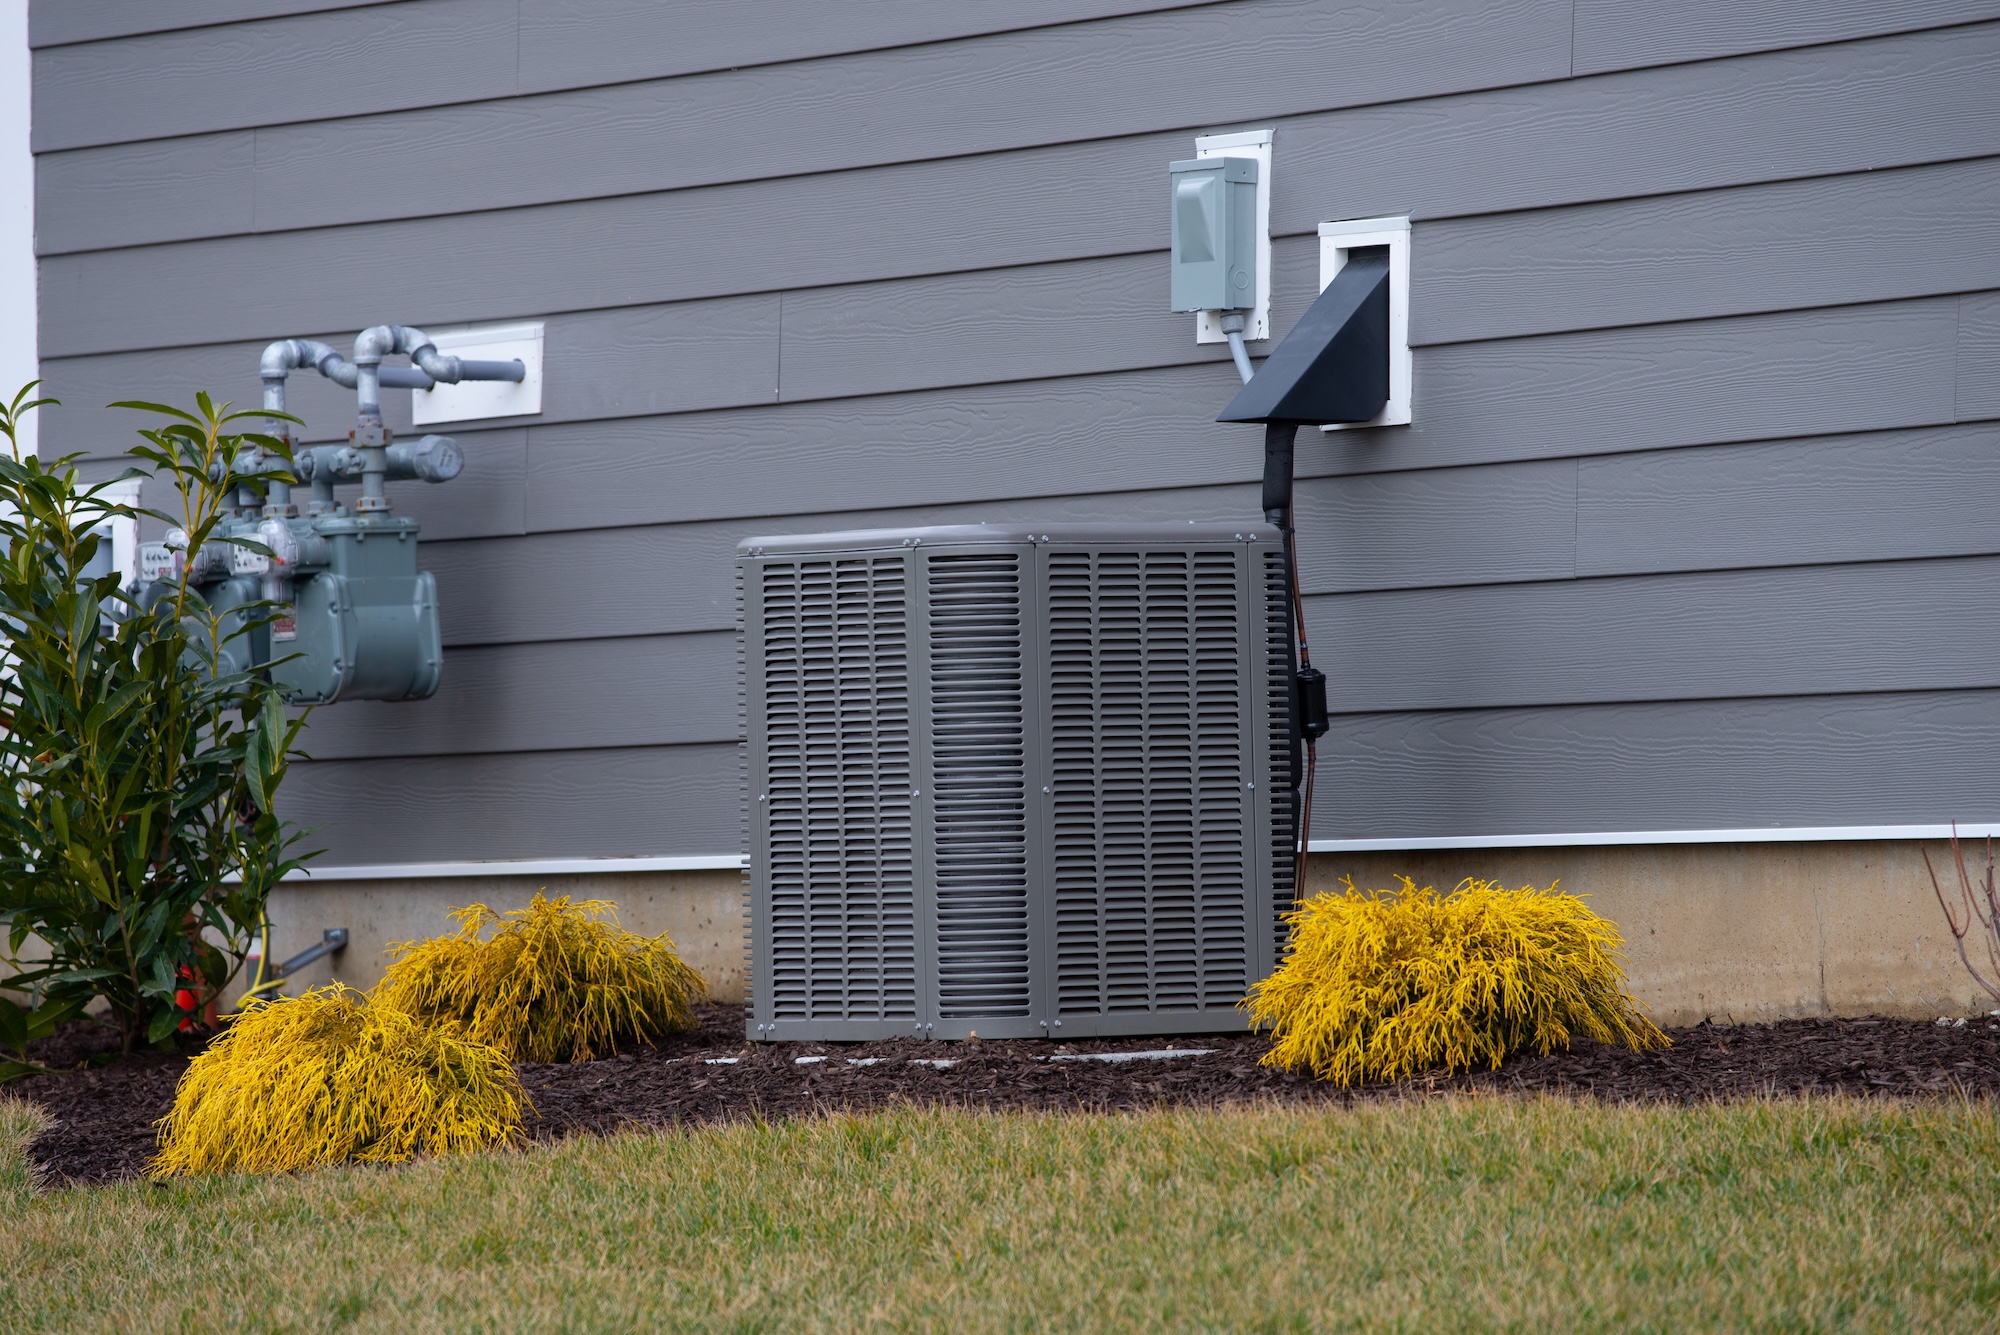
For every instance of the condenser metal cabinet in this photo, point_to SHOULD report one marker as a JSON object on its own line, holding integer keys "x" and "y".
{"x": 1015, "y": 782}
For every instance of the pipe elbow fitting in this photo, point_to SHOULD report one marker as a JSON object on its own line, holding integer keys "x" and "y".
{"x": 373, "y": 343}
{"x": 279, "y": 359}
{"x": 417, "y": 345}
{"x": 435, "y": 364}
{"x": 339, "y": 370}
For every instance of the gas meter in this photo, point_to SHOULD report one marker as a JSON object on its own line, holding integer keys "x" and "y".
{"x": 355, "y": 619}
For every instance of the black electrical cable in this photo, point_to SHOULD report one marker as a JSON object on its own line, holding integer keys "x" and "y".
{"x": 1302, "y": 822}
{"x": 1279, "y": 440}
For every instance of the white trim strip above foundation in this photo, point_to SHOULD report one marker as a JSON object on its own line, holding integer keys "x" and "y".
{"x": 1795, "y": 834}
{"x": 425, "y": 871}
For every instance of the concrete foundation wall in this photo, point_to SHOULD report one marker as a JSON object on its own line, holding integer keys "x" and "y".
{"x": 1736, "y": 933}
{"x": 701, "y": 910}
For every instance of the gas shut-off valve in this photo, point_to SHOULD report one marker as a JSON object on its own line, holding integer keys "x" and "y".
{"x": 356, "y": 619}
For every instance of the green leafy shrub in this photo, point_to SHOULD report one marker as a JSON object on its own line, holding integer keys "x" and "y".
{"x": 138, "y": 838}
{"x": 1388, "y": 985}
{"x": 332, "y": 1077}
{"x": 555, "y": 982}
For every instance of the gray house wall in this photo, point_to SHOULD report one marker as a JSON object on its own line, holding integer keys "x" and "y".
{"x": 1694, "y": 527}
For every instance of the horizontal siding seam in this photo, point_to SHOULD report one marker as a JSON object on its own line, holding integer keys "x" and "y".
{"x": 898, "y": 277}
{"x": 1278, "y": 233}
{"x": 467, "y": 753}
{"x": 981, "y": 35}
{"x": 456, "y": 646}
{"x": 1215, "y": 357}
{"x": 1913, "y": 164}
{"x": 1248, "y": 478}
{"x": 649, "y": 749}
{"x": 1137, "y": 253}
{"x": 1677, "y": 572}
{"x": 1167, "y": 7}
{"x": 69, "y": 43}
{"x": 65, "y": 43}
{"x": 1040, "y": 145}
{"x": 1774, "y": 50}
{"x": 1384, "y": 592}
{"x": 1212, "y": 356}
{"x": 706, "y": 72}
{"x": 1753, "y": 313}
{"x": 1622, "y": 703}
{"x": 1304, "y": 473}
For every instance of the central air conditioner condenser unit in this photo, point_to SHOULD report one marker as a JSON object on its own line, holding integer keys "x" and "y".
{"x": 1014, "y": 782}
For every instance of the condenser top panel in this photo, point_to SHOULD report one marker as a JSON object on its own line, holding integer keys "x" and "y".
{"x": 964, "y": 535}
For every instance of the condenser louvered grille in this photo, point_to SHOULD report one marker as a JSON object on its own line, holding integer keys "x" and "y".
{"x": 1151, "y": 762}
{"x": 979, "y": 777}
{"x": 839, "y": 821}
{"x": 1015, "y": 783}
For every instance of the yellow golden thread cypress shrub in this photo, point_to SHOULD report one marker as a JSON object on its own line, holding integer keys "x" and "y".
{"x": 331, "y": 1077}
{"x": 1384, "y": 986}
{"x": 555, "y": 982}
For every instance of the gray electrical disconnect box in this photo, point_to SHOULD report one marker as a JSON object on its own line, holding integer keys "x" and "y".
{"x": 1214, "y": 234}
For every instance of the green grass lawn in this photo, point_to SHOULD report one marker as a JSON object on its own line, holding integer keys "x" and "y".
{"x": 1474, "y": 1214}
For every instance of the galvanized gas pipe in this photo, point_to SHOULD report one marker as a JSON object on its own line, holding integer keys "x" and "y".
{"x": 277, "y": 363}
{"x": 370, "y": 346}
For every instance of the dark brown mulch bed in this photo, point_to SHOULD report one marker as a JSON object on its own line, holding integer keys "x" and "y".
{"x": 105, "y": 1113}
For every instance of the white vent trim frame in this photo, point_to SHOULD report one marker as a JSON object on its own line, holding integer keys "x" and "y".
{"x": 1336, "y": 239}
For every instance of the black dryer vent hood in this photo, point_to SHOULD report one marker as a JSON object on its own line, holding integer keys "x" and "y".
{"x": 1334, "y": 365}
